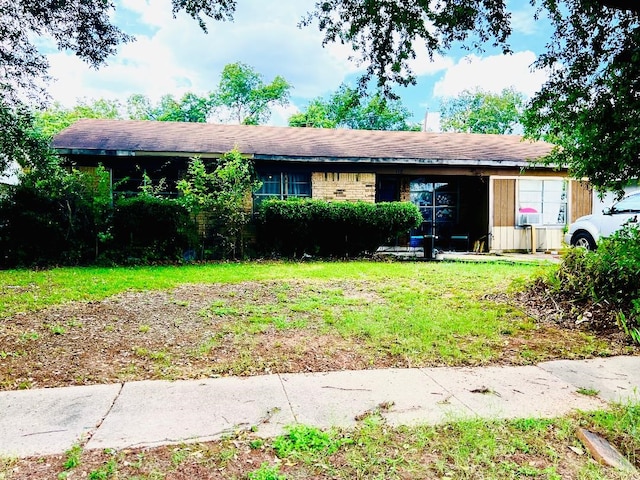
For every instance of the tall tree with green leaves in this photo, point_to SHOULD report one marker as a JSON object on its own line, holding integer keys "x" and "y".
{"x": 55, "y": 118}
{"x": 189, "y": 108}
{"x": 590, "y": 107}
{"x": 217, "y": 193}
{"x": 477, "y": 111}
{"x": 243, "y": 96}
{"x": 19, "y": 140}
{"x": 350, "y": 108}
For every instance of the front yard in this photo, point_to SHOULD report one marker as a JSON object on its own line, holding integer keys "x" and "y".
{"x": 87, "y": 326}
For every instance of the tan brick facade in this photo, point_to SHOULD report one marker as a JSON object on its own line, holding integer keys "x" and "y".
{"x": 405, "y": 187}
{"x": 351, "y": 187}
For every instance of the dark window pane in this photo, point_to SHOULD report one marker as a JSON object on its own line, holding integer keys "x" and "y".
{"x": 299, "y": 185}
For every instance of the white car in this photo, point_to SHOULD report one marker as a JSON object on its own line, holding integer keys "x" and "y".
{"x": 586, "y": 231}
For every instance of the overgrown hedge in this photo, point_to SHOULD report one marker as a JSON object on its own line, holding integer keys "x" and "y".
{"x": 147, "y": 229}
{"x": 292, "y": 228}
{"x": 608, "y": 276}
{"x": 41, "y": 226}
{"x": 73, "y": 222}
{"x": 39, "y": 230}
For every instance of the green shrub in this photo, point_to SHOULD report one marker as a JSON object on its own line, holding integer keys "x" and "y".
{"x": 147, "y": 229}
{"x": 216, "y": 192}
{"x": 609, "y": 274}
{"x": 295, "y": 227}
{"x": 54, "y": 217}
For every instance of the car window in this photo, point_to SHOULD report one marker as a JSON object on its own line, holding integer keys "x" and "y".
{"x": 629, "y": 204}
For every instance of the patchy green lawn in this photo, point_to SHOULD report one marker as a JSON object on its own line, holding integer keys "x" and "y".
{"x": 87, "y": 326}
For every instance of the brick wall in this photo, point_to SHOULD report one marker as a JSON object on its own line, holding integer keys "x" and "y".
{"x": 350, "y": 187}
{"x": 405, "y": 187}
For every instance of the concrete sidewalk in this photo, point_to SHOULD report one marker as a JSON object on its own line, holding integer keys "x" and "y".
{"x": 151, "y": 413}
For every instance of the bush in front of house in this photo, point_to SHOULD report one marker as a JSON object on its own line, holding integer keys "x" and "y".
{"x": 292, "y": 228}
{"x": 608, "y": 276}
{"x": 53, "y": 217}
{"x": 218, "y": 194}
{"x": 147, "y": 229}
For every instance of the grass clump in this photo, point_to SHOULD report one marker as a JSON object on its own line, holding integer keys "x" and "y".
{"x": 301, "y": 439}
{"x": 266, "y": 472}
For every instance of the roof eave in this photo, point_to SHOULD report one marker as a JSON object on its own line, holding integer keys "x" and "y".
{"x": 400, "y": 161}
{"x": 133, "y": 153}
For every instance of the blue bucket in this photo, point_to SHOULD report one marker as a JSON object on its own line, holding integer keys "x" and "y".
{"x": 416, "y": 241}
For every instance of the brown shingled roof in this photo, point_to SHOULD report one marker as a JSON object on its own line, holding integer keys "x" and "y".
{"x": 134, "y": 137}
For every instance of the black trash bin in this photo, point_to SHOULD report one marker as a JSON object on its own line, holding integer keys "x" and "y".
{"x": 429, "y": 246}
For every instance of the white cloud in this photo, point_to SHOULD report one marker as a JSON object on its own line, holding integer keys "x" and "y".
{"x": 523, "y": 21}
{"x": 174, "y": 55}
{"x": 280, "y": 115}
{"x": 154, "y": 14}
{"x": 140, "y": 67}
{"x": 423, "y": 65}
{"x": 492, "y": 74}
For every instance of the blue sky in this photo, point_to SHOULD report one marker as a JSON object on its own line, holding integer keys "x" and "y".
{"x": 174, "y": 56}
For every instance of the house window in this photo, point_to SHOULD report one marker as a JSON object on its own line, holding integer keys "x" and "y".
{"x": 283, "y": 185}
{"x": 542, "y": 202}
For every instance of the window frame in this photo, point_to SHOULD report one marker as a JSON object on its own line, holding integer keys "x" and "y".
{"x": 285, "y": 183}
{"x": 545, "y": 204}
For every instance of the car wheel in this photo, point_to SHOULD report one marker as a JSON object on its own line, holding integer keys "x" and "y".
{"x": 584, "y": 240}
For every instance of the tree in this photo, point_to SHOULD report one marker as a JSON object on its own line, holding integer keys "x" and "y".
{"x": 81, "y": 26}
{"x": 56, "y": 118}
{"x": 19, "y": 140}
{"x": 317, "y": 115}
{"x": 482, "y": 112}
{"x": 190, "y": 108}
{"x": 350, "y": 108}
{"x": 590, "y": 107}
{"x": 54, "y": 216}
{"x": 216, "y": 194}
{"x": 244, "y": 95}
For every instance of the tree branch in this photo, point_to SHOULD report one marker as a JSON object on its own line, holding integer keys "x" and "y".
{"x": 632, "y": 6}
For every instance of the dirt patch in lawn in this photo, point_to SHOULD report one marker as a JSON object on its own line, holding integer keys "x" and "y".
{"x": 251, "y": 328}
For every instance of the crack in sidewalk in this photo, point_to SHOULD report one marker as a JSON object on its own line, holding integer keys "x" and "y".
{"x": 87, "y": 436}
{"x": 286, "y": 394}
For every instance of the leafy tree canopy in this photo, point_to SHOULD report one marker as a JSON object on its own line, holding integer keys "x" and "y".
{"x": 477, "y": 111}
{"x": 19, "y": 141}
{"x": 591, "y": 104}
{"x": 189, "y": 108}
{"x": 349, "y": 108}
{"x": 243, "y": 94}
{"x": 56, "y": 118}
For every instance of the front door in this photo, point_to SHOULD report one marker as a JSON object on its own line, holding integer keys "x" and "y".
{"x": 438, "y": 202}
